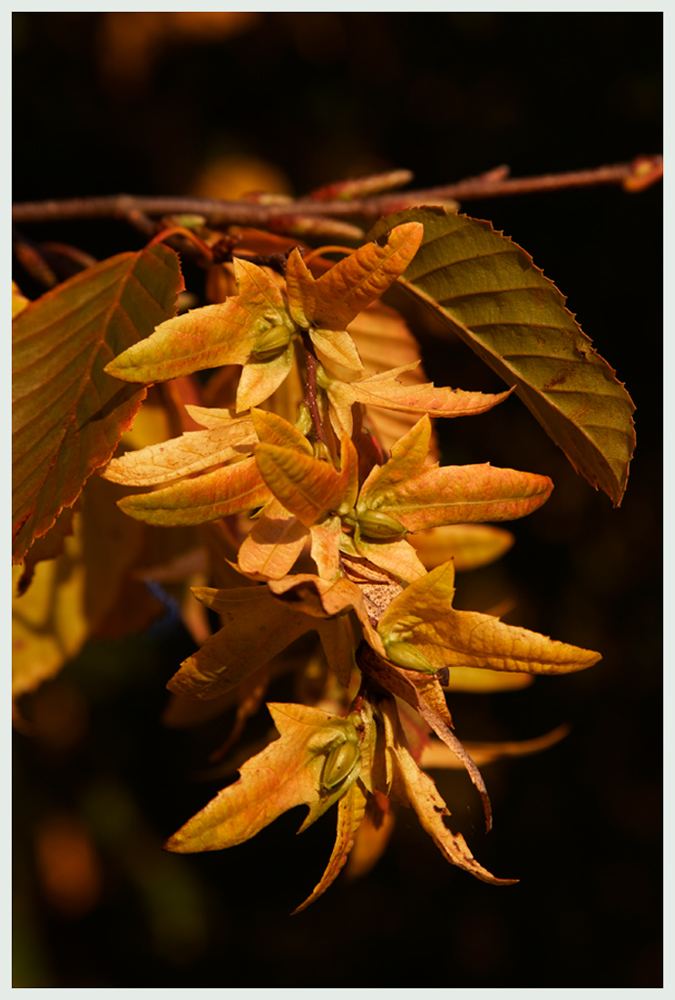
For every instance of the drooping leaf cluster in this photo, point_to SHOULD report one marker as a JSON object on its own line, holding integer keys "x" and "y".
{"x": 302, "y": 480}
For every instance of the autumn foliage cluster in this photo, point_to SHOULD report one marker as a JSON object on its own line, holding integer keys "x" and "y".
{"x": 271, "y": 457}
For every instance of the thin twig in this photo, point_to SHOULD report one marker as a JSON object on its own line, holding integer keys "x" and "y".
{"x": 246, "y": 213}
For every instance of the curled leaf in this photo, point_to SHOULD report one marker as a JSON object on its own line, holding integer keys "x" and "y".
{"x": 351, "y": 809}
{"x": 332, "y": 301}
{"x": 418, "y": 790}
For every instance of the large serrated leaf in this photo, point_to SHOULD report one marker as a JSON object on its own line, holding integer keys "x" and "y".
{"x": 68, "y": 415}
{"x": 489, "y": 292}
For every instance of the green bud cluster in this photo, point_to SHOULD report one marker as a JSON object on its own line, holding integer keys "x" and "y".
{"x": 404, "y": 654}
{"x": 377, "y": 524}
{"x": 340, "y": 763}
{"x": 271, "y": 343}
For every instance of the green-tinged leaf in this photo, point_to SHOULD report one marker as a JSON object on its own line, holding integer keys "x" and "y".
{"x": 190, "y": 453}
{"x": 407, "y": 461}
{"x": 418, "y": 790}
{"x": 307, "y": 487}
{"x": 259, "y": 379}
{"x": 351, "y": 810}
{"x": 274, "y": 543}
{"x": 468, "y": 545}
{"x": 335, "y": 299}
{"x": 489, "y": 292}
{"x": 349, "y": 474}
{"x": 456, "y": 494}
{"x": 423, "y": 615}
{"x": 286, "y": 774}
{"x": 222, "y": 334}
{"x": 68, "y": 415}
{"x": 273, "y": 429}
{"x": 230, "y": 490}
{"x": 255, "y": 628}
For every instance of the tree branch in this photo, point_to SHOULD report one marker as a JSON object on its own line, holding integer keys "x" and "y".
{"x": 637, "y": 174}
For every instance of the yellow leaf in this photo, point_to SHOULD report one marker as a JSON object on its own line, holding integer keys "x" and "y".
{"x": 437, "y": 754}
{"x": 255, "y": 628}
{"x": 407, "y": 461}
{"x": 192, "y": 452}
{"x": 286, "y": 774}
{"x": 336, "y": 351}
{"x": 486, "y": 681}
{"x": 259, "y": 379}
{"x": 220, "y": 334}
{"x": 469, "y": 545}
{"x": 19, "y": 301}
{"x": 351, "y": 809}
{"x": 49, "y": 622}
{"x": 371, "y": 838}
{"x": 419, "y": 791}
{"x": 423, "y": 615}
{"x": 325, "y": 549}
{"x": 398, "y": 558}
{"x": 273, "y": 545}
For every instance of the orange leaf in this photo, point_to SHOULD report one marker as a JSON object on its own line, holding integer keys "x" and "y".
{"x": 386, "y": 391}
{"x": 273, "y": 429}
{"x": 456, "y": 494}
{"x": 230, "y": 490}
{"x": 308, "y": 488}
{"x": 339, "y": 295}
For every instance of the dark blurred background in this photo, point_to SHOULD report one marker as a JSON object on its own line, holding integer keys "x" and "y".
{"x": 179, "y": 103}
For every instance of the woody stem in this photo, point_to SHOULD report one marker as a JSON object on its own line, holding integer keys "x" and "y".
{"x": 310, "y": 388}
